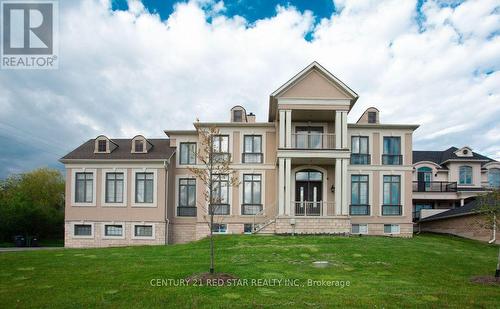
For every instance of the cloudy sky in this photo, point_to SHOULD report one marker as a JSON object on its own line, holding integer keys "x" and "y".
{"x": 134, "y": 67}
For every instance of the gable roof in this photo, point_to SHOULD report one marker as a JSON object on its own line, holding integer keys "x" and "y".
{"x": 160, "y": 150}
{"x": 440, "y": 157}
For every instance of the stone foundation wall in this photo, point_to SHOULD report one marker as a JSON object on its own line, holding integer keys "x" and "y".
{"x": 471, "y": 226}
{"x": 313, "y": 226}
{"x": 377, "y": 229}
{"x": 98, "y": 240}
{"x": 182, "y": 233}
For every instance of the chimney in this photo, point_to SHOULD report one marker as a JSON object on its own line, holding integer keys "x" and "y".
{"x": 251, "y": 118}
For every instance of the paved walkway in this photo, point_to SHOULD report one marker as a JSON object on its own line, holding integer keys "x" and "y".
{"x": 18, "y": 249}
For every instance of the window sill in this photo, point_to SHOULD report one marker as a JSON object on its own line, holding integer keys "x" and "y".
{"x": 83, "y": 205}
{"x": 144, "y": 206}
{"x": 83, "y": 237}
{"x": 114, "y": 205}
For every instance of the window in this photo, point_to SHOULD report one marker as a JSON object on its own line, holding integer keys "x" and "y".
{"x": 252, "y": 149}
{"x": 102, "y": 145}
{"x": 83, "y": 230}
{"x": 248, "y": 228}
{"x": 494, "y": 177}
{"x": 139, "y": 146}
{"x": 144, "y": 187}
{"x": 391, "y": 228}
{"x": 113, "y": 230}
{"x": 392, "y": 151}
{"x": 308, "y": 138}
{"x": 372, "y": 117}
{"x": 465, "y": 175}
{"x": 219, "y": 228}
{"x": 187, "y": 198}
{"x": 84, "y": 186}
{"x": 143, "y": 231}
{"x": 359, "y": 150}
{"x": 220, "y": 145}
{"x": 359, "y": 195}
{"x": 238, "y": 116}
{"x": 359, "y": 229}
{"x": 220, "y": 194}
{"x": 187, "y": 153}
{"x": 114, "y": 187}
{"x": 392, "y": 196}
{"x": 252, "y": 186}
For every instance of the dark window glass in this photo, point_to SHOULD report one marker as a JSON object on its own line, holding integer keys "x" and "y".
{"x": 113, "y": 230}
{"x": 144, "y": 184}
{"x": 392, "y": 190}
{"x": 252, "y": 189}
{"x": 247, "y": 228}
{"x": 220, "y": 144}
{"x": 465, "y": 175}
{"x": 187, "y": 192}
{"x": 220, "y": 191}
{"x": 114, "y": 187}
{"x": 219, "y": 228}
{"x": 372, "y": 117}
{"x": 252, "y": 149}
{"x": 101, "y": 145}
{"x": 84, "y": 186}
{"x": 238, "y": 116}
{"x": 359, "y": 189}
{"x": 187, "y": 153}
{"x": 143, "y": 230}
{"x": 139, "y": 146}
{"x": 83, "y": 230}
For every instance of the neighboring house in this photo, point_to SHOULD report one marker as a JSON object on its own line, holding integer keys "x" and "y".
{"x": 449, "y": 179}
{"x": 466, "y": 221}
{"x": 304, "y": 171}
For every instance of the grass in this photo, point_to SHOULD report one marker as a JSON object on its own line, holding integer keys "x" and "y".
{"x": 425, "y": 271}
{"x": 41, "y": 243}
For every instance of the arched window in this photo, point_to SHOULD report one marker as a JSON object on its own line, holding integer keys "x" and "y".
{"x": 465, "y": 175}
{"x": 309, "y": 175}
{"x": 494, "y": 177}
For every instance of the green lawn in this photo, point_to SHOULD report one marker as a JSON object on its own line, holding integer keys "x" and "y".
{"x": 426, "y": 271}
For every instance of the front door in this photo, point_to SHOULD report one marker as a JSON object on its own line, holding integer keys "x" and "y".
{"x": 308, "y": 193}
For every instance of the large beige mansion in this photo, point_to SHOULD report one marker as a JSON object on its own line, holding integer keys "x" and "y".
{"x": 304, "y": 171}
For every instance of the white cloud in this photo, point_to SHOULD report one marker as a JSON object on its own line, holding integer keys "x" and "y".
{"x": 124, "y": 73}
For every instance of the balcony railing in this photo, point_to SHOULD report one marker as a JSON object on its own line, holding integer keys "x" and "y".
{"x": 183, "y": 211}
{"x": 360, "y": 158}
{"x": 391, "y": 210}
{"x": 359, "y": 210}
{"x": 313, "y": 209}
{"x": 392, "y": 159}
{"x": 220, "y": 209}
{"x": 313, "y": 141}
{"x": 221, "y": 156}
{"x": 251, "y": 157}
{"x": 251, "y": 209}
{"x": 434, "y": 186}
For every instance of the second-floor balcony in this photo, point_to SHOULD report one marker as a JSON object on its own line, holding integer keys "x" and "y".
{"x": 360, "y": 158}
{"x": 313, "y": 141}
{"x": 434, "y": 186}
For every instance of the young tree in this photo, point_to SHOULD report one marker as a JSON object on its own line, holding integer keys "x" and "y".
{"x": 216, "y": 175}
{"x": 489, "y": 207}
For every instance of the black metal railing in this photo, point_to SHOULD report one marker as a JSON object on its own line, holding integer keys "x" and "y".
{"x": 221, "y": 157}
{"x": 392, "y": 159}
{"x": 220, "y": 209}
{"x": 391, "y": 210}
{"x": 434, "y": 186}
{"x": 359, "y": 210}
{"x": 251, "y": 157}
{"x": 183, "y": 211}
{"x": 360, "y": 158}
{"x": 251, "y": 209}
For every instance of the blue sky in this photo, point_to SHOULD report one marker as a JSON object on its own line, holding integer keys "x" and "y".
{"x": 125, "y": 70}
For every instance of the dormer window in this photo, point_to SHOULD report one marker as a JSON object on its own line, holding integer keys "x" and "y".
{"x": 102, "y": 145}
{"x": 372, "y": 117}
{"x": 238, "y": 116}
{"x": 139, "y": 146}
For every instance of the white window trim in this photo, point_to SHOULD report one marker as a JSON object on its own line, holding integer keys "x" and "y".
{"x": 262, "y": 190}
{"x": 103, "y": 187}
{"x": 391, "y": 233}
{"x": 92, "y": 228}
{"x": 402, "y": 192}
{"x": 132, "y": 232}
{"x": 103, "y": 230}
{"x": 73, "y": 187}
{"x": 365, "y": 224}
{"x": 222, "y": 233}
{"x": 155, "y": 187}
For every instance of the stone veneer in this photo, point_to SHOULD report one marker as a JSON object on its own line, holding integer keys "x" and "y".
{"x": 313, "y": 226}
{"x": 99, "y": 241}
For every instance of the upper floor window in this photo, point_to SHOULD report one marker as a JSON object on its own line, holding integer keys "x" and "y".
{"x": 144, "y": 187}
{"x": 308, "y": 138}
{"x": 139, "y": 146}
{"x": 102, "y": 145}
{"x": 465, "y": 175}
{"x": 220, "y": 194}
{"x": 84, "y": 185}
{"x": 359, "y": 195}
{"x": 252, "y": 149}
{"x": 359, "y": 150}
{"x": 220, "y": 145}
{"x": 187, "y": 192}
{"x": 114, "y": 187}
{"x": 237, "y": 115}
{"x": 187, "y": 153}
{"x": 392, "y": 196}
{"x": 372, "y": 117}
{"x": 494, "y": 177}
{"x": 392, "y": 151}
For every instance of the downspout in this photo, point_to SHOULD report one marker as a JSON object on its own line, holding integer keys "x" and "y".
{"x": 494, "y": 239}
{"x": 166, "y": 165}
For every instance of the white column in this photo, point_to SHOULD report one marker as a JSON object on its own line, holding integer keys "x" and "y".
{"x": 281, "y": 186}
{"x": 345, "y": 204}
{"x": 288, "y": 186}
{"x": 288, "y": 128}
{"x": 282, "y": 128}
{"x": 338, "y": 129}
{"x": 338, "y": 186}
{"x": 344, "y": 129}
